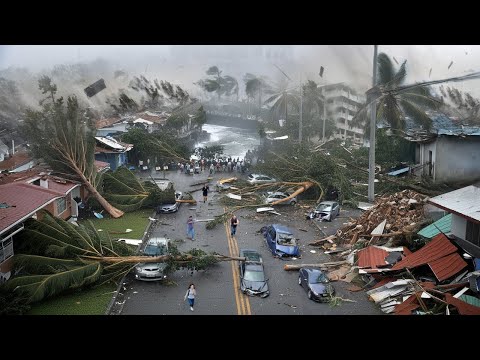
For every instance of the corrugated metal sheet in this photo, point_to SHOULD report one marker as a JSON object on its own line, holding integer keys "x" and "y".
{"x": 383, "y": 282}
{"x": 447, "y": 266}
{"x": 443, "y": 225}
{"x": 472, "y": 300}
{"x": 437, "y": 248}
{"x": 462, "y": 307}
{"x": 464, "y": 201}
{"x": 407, "y": 306}
{"x": 372, "y": 257}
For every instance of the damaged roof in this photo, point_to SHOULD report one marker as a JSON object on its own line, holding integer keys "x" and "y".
{"x": 462, "y": 307}
{"x": 442, "y": 225}
{"x": 437, "y": 248}
{"x": 372, "y": 257}
{"x": 447, "y": 266}
{"x": 464, "y": 202}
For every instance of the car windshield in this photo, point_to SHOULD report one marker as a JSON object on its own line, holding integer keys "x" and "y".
{"x": 254, "y": 275}
{"x": 155, "y": 250}
{"x": 318, "y": 278}
{"x": 286, "y": 239}
{"x": 324, "y": 207}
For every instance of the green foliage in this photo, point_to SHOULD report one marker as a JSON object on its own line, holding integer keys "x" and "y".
{"x": 200, "y": 261}
{"x": 61, "y": 135}
{"x": 390, "y": 150}
{"x": 222, "y": 85}
{"x": 210, "y": 151}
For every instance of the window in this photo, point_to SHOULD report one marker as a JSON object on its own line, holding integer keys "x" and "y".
{"x": 473, "y": 233}
{"x": 6, "y": 249}
{"x": 61, "y": 205}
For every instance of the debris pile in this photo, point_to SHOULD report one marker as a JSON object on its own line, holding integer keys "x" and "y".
{"x": 401, "y": 215}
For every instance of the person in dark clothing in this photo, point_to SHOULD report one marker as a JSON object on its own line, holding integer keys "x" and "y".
{"x": 233, "y": 224}
{"x": 205, "y": 190}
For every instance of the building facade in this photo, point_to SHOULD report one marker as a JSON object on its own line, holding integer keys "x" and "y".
{"x": 342, "y": 104}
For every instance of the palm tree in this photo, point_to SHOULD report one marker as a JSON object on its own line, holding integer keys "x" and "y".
{"x": 281, "y": 100}
{"x": 393, "y": 105}
{"x": 313, "y": 103}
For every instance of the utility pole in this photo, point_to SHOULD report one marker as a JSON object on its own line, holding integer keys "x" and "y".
{"x": 324, "y": 112}
{"x": 373, "y": 128}
{"x": 300, "y": 129}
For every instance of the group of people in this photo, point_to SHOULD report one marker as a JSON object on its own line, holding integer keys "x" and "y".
{"x": 215, "y": 165}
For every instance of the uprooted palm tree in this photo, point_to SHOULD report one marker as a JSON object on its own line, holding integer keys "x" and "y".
{"x": 282, "y": 99}
{"x": 394, "y": 100}
{"x": 53, "y": 256}
{"x": 64, "y": 137}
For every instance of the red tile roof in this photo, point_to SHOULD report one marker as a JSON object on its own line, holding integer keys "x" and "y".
{"x": 158, "y": 119}
{"x": 447, "y": 266}
{"x": 462, "y": 307}
{"x": 24, "y": 199}
{"x": 437, "y": 248}
{"x": 7, "y": 178}
{"x": 372, "y": 257}
{"x": 18, "y": 159}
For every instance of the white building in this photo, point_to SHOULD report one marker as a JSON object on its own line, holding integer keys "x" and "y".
{"x": 342, "y": 104}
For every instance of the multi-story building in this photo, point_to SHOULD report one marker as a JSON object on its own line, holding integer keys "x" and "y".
{"x": 342, "y": 104}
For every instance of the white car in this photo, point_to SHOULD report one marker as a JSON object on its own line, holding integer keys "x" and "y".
{"x": 260, "y": 179}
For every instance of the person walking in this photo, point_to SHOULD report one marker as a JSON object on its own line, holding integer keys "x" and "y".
{"x": 205, "y": 190}
{"x": 233, "y": 224}
{"x": 190, "y": 295}
{"x": 190, "y": 229}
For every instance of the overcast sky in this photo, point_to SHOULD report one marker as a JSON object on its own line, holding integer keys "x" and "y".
{"x": 186, "y": 64}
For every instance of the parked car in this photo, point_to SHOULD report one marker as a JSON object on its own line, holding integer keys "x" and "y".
{"x": 260, "y": 179}
{"x": 156, "y": 246}
{"x": 252, "y": 274}
{"x": 316, "y": 284}
{"x": 280, "y": 240}
{"x": 170, "y": 207}
{"x": 271, "y": 197}
{"x": 326, "y": 210}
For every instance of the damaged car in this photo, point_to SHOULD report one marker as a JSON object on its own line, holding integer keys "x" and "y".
{"x": 280, "y": 240}
{"x": 316, "y": 284}
{"x": 156, "y": 246}
{"x": 170, "y": 207}
{"x": 252, "y": 274}
{"x": 271, "y": 197}
{"x": 326, "y": 210}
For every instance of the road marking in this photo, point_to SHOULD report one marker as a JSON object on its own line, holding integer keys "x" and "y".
{"x": 245, "y": 301}
{"x": 235, "y": 284}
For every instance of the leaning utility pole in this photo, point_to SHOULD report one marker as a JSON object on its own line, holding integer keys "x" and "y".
{"x": 373, "y": 128}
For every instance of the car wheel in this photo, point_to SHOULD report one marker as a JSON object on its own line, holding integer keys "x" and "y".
{"x": 299, "y": 281}
{"x": 293, "y": 203}
{"x": 309, "y": 294}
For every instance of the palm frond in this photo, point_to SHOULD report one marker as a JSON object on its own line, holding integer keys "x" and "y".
{"x": 417, "y": 114}
{"x": 399, "y": 77}
{"x": 39, "y": 287}
{"x": 42, "y": 264}
{"x": 386, "y": 71}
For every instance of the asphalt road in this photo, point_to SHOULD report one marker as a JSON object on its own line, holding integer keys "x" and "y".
{"x": 218, "y": 287}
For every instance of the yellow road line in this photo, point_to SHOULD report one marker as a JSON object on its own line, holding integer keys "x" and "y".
{"x": 235, "y": 284}
{"x": 245, "y": 298}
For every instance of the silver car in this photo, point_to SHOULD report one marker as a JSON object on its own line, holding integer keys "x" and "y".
{"x": 153, "y": 271}
{"x": 275, "y": 196}
{"x": 170, "y": 208}
{"x": 260, "y": 179}
{"x": 327, "y": 210}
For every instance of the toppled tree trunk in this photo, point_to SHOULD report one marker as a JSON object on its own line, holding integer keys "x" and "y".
{"x": 304, "y": 186}
{"x": 155, "y": 259}
{"x": 320, "y": 265}
{"x": 187, "y": 201}
{"x": 113, "y": 211}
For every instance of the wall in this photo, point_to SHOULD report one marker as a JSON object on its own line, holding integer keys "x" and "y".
{"x": 424, "y": 149}
{"x": 459, "y": 226}
{"x": 457, "y": 158}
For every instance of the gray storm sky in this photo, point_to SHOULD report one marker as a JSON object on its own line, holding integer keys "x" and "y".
{"x": 349, "y": 63}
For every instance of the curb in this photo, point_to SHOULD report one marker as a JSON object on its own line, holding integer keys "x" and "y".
{"x": 112, "y": 303}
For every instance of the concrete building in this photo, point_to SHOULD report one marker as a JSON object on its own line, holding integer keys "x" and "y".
{"x": 342, "y": 104}
{"x": 450, "y": 151}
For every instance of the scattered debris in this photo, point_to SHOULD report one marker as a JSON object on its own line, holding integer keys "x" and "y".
{"x": 292, "y": 306}
{"x": 313, "y": 251}
{"x": 233, "y": 196}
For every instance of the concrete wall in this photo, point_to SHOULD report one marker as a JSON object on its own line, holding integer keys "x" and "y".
{"x": 424, "y": 158}
{"x": 459, "y": 226}
{"x": 457, "y": 158}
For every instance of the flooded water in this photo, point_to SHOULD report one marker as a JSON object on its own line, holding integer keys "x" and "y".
{"x": 236, "y": 142}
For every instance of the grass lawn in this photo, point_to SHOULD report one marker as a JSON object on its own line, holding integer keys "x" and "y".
{"x": 137, "y": 221}
{"x": 85, "y": 302}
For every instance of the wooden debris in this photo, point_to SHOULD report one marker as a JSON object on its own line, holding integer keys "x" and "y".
{"x": 320, "y": 242}
{"x": 320, "y": 265}
{"x": 303, "y": 230}
{"x": 399, "y": 214}
{"x": 233, "y": 196}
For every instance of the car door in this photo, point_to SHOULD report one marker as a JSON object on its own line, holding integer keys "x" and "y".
{"x": 336, "y": 208}
{"x": 304, "y": 277}
{"x": 271, "y": 239}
